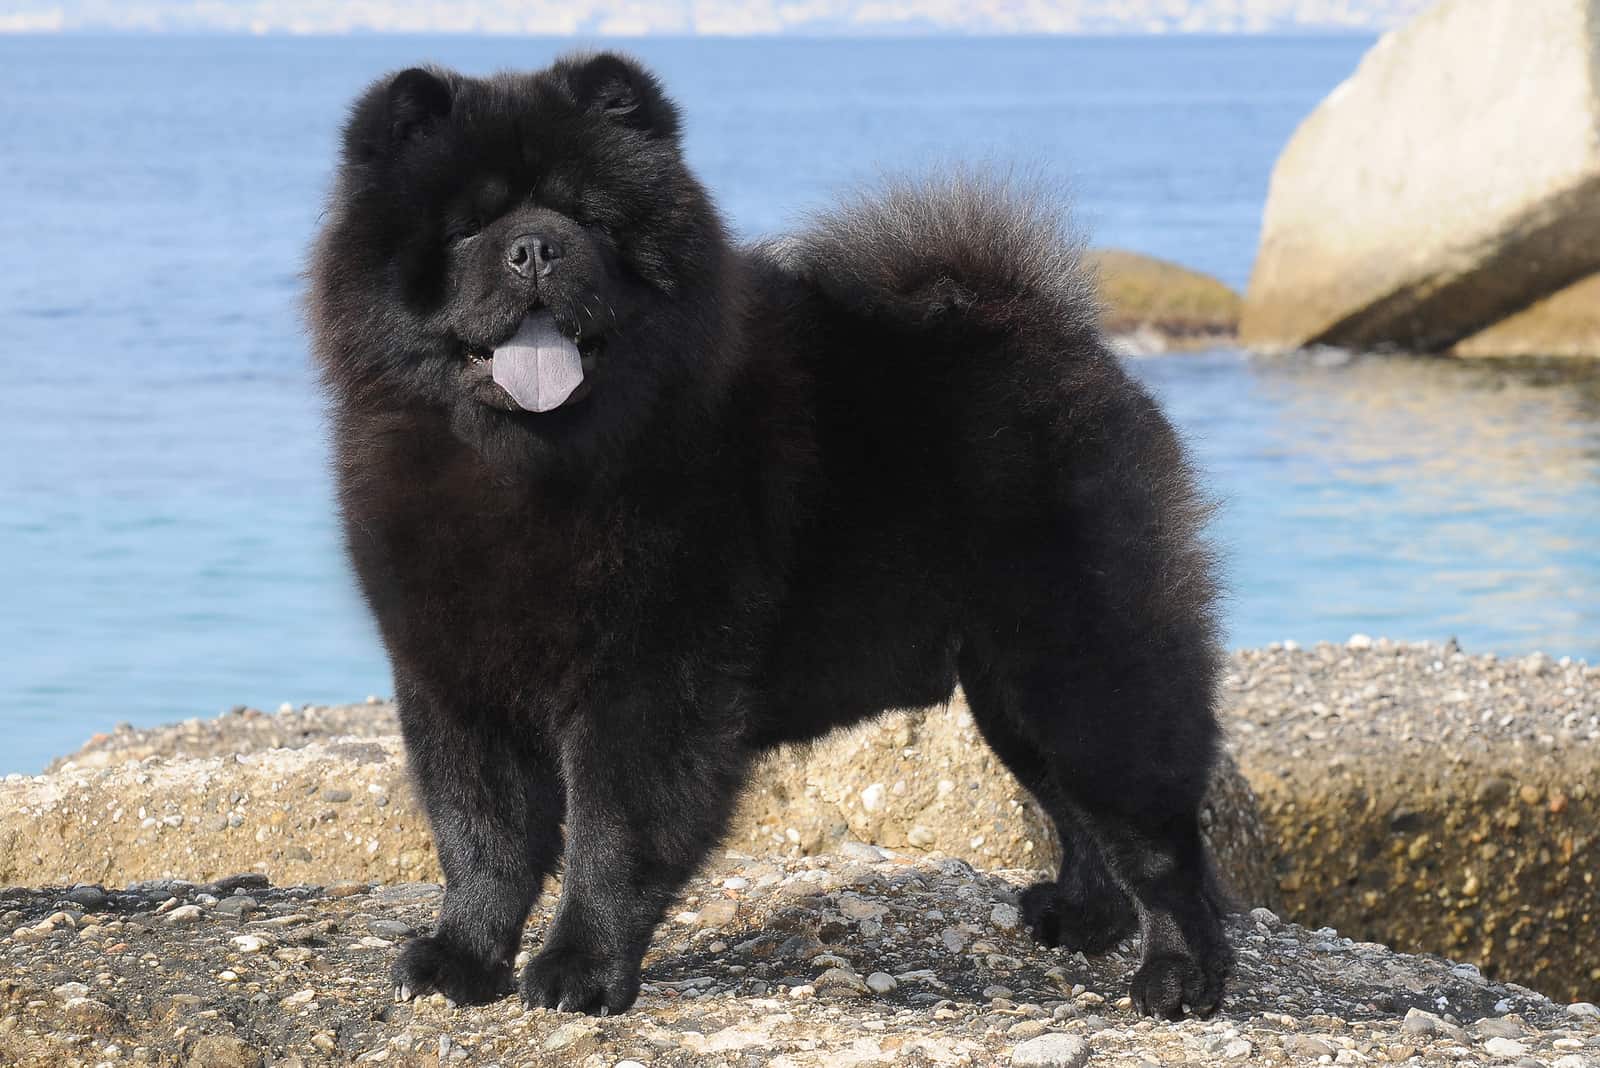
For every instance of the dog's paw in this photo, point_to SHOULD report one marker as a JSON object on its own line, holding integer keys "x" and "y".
{"x": 431, "y": 965}
{"x": 1171, "y": 986}
{"x": 1092, "y": 927}
{"x": 572, "y": 980}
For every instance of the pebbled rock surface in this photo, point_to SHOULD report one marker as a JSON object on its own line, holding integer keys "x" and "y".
{"x": 205, "y": 797}
{"x": 1433, "y": 800}
{"x": 1409, "y": 794}
{"x": 844, "y": 959}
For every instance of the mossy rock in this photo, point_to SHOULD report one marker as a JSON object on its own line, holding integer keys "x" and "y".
{"x": 1182, "y": 307}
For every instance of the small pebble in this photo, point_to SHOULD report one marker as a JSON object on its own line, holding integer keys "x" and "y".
{"x": 90, "y": 897}
{"x": 1504, "y": 1047}
{"x": 237, "y": 905}
{"x": 391, "y": 929}
{"x": 1492, "y": 1027}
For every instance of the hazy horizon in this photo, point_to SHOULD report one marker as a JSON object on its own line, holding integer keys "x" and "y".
{"x": 714, "y": 18}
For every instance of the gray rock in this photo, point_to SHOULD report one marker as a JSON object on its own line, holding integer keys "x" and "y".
{"x": 1308, "y": 1046}
{"x": 90, "y": 1014}
{"x": 161, "y": 888}
{"x": 1498, "y": 1027}
{"x": 183, "y": 915}
{"x": 249, "y": 880}
{"x": 1504, "y": 1047}
{"x": 407, "y": 891}
{"x": 90, "y": 897}
{"x": 237, "y": 905}
{"x": 840, "y": 981}
{"x": 882, "y": 983}
{"x": 391, "y": 929}
{"x": 718, "y": 912}
{"x": 1418, "y": 1022}
{"x": 1051, "y": 1051}
{"x": 861, "y": 851}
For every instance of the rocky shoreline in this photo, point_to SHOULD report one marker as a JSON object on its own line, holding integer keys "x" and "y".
{"x": 1407, "y": 794}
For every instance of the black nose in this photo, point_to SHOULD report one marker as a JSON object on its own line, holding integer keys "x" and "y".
{"x": 532, "y": 254}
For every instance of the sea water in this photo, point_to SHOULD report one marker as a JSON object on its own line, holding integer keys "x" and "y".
{"x": 167, "y": 539}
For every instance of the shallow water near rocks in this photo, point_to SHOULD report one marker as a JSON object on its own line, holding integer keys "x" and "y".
{"x": 167, "y": 544}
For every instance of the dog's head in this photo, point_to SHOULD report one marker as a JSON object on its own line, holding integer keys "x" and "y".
{"x": 524, "y": 247}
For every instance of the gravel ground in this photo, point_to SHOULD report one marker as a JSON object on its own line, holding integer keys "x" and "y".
{"x": 854, "y": 958}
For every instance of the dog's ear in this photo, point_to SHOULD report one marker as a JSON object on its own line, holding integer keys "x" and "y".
{"x": 620, "y": 90}
{"x": 395, "y": 110}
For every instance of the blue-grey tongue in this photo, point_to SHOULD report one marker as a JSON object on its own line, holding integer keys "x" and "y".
{"x": 539, "y": 366}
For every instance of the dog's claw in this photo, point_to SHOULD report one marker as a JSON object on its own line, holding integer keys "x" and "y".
{"x": 402, "y": 992}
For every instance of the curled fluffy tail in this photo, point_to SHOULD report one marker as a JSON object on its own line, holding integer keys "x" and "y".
{"x": 981, "y": 249}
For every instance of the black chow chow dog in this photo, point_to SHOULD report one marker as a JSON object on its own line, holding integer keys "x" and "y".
{"x": 632, "y": 504}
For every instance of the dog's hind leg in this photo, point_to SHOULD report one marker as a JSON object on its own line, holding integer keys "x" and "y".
{"x": 1083, "y": 908}
{"x": 1122, "y": 749}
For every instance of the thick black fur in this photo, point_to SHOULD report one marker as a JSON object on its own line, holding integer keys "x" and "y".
{"x": 813, "y": 480}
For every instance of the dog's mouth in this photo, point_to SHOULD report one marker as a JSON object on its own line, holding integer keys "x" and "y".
{"x": 539, "y": 368}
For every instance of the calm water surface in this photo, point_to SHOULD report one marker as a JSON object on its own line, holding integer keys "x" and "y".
{"x": 166, "y": 538}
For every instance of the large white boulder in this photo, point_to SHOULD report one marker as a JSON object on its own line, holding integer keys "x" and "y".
{"x": 1452, "y": 181}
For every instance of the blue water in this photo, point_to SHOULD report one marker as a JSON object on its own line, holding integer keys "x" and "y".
{"x": 167, "y": 546}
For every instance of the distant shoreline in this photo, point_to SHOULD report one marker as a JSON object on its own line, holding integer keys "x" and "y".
{"x": 8, "y": 29}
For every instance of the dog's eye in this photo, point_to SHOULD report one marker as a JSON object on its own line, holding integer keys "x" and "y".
{"x": 464, "y": 229}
